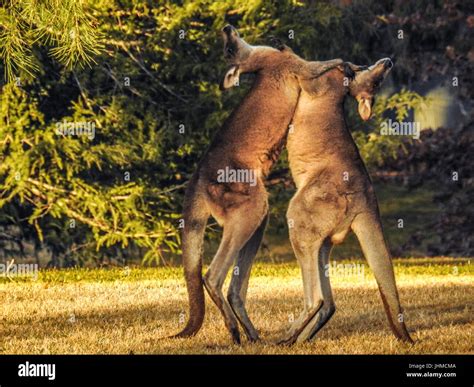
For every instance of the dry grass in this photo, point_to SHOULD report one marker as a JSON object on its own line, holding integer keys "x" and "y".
{"x": 101, "y": 311}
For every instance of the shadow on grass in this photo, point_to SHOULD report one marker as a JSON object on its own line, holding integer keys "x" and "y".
{"x": 358, "y": 311}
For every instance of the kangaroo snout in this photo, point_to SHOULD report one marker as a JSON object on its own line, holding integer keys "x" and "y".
{"x": 236, "y": 50}
{"x": 384, "y": 64}
{"x": 227, "y": 28}
{"x": 230, "y": 33}
{"x": 388, "y": 64}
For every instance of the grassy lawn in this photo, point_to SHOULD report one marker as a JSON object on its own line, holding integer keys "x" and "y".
{"x": 131, "y": 310}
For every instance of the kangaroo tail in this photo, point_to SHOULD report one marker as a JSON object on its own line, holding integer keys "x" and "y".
{"x": 368, "y": 230}
{"x": 195, "y": 220}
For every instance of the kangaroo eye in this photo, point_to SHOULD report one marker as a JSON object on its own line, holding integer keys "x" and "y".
{"x": 230, "y": 51}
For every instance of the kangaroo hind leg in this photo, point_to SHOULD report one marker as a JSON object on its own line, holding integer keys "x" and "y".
{"x": 306, "y": 246}
{"x": 239, "y": 227}
{"x": 324, "y": 288}
{"x": 237, "y": 293}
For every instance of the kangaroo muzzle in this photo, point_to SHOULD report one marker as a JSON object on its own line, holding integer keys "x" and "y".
{"x": 236, "y": 49}
{"x": 382, "y": 67}
{"x": 388, "y": 64}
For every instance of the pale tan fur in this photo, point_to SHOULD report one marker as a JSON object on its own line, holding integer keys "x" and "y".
{"x": 335, "y": 195}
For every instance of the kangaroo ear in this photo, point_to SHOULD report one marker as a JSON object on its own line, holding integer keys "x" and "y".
{"x": 365, "y": 108}
{"x": 347, "y": 70}
{"x": 231, "y": 78}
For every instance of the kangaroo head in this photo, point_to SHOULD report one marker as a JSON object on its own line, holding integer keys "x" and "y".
{"x": 366, "y": 83}
{"x": 279, "y": 61}
{"x": 243, "y": 57}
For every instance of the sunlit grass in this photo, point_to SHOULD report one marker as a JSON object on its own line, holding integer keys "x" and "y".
{"x": 132, "y": 310}
{"x": 406, "y": 266}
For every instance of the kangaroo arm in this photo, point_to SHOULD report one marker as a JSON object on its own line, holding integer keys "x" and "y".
{"x": 316, "y": 68}
{"x": 355, "y": 67}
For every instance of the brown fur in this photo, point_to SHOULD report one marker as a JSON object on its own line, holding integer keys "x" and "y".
{"x": 250, "y": 139}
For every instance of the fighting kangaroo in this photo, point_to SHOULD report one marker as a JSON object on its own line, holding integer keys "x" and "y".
{"x": 250, "y": 140}
{"x": 334, "y": 189}
{"x": 335, "y": 195}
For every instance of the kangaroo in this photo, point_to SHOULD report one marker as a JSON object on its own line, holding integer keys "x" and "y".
{"x": 335, "y": 195}
{"x": 250, "y": 140}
